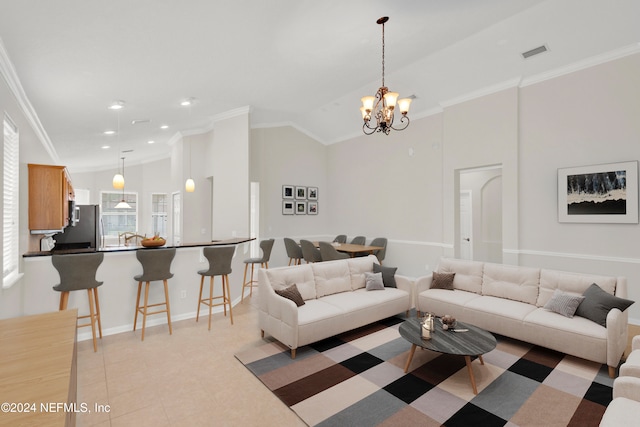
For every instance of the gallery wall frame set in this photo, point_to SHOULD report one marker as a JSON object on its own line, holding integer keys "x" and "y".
{"x": 299, "y": 200}
{"x": 605, "y": 193}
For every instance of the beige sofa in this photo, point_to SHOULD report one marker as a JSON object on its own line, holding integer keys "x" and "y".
{"x": 335, "y": 296}
{"x": 509, "y": 300}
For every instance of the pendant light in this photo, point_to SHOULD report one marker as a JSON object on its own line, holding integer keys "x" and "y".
{"x": 123, "y": 204}
{"x": 189, "y": 185}
{"x": 118, "y": 178}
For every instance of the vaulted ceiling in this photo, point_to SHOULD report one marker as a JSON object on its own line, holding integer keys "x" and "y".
{"x": 299, "y": 62}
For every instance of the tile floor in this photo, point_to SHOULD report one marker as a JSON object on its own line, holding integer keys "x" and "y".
{"x": 190, "y": 378}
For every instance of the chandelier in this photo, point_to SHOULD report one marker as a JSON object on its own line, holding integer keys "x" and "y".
{"x": 382, "y": 106}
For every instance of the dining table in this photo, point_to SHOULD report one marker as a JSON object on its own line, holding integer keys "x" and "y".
{"x": 352, "y": 249}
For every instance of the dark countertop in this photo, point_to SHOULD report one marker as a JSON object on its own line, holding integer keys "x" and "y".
{"x": 223, "y": 242}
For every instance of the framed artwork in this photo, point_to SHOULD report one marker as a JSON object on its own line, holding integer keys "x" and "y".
{"x": 312, "y": 193}
{"x": 312, "y": 208}
{"x": 606, "y": 193}
{"x": 287, "y": 207}
{"x": 301, "y": 208}
{"x": 287, "y": 191}
{"x": 301, "y": 193}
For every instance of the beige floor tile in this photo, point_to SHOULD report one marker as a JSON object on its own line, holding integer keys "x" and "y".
{"x": 151, "y": 416}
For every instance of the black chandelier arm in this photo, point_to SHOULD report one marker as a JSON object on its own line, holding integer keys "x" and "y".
{"x": 402, "y": 120}
{"x": 371, "y": 130}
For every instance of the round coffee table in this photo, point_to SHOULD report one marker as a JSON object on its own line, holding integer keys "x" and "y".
{"x": 473, "y": 342}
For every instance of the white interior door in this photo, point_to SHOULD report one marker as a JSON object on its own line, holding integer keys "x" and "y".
{"x": 466, "y": 225}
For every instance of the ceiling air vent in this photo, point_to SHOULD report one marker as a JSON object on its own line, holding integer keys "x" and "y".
{"x": 534, "y": 51}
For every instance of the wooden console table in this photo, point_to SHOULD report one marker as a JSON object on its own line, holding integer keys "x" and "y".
{"x": 38, "y": 370}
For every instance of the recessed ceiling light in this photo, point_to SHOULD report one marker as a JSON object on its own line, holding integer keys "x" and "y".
{"x": 109, "y": 132}
{"x": 106, "y": 147}
{"x": 116, "y": 105}
{"x": 164, "y": 127}
{"x": 187, "y": 102}
{"x": 150, "y": 142}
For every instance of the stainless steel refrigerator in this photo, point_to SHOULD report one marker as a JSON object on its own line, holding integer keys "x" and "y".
{"x": 86, "y": 232}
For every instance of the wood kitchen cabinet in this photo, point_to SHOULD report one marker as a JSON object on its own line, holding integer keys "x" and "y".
{"x": 50, "y": 191}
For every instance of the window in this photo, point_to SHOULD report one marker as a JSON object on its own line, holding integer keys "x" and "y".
{"x": 10, "y": 213}
{"x": 118, "y": 221}
{"x": 159, "y": 204}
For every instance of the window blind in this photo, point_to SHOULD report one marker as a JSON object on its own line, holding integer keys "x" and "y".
{"x": 10, "y": 218}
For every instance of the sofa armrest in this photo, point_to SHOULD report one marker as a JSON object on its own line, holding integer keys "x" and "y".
{"x": 617, "y": 333}
{"x": 628, "y": 387}
{"x": 635, "y": 343}
{"x": 273, "y": 304}
{"x": 406, "y": 284}
{"x": 422, "y": 284}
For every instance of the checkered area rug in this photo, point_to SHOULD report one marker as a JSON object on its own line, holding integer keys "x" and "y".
{"x": 357, "y": 379}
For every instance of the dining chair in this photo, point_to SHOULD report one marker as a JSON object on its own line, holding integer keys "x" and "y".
{"x": 294, "y": 251}
{"x": 309, "y": 252}
{"x": 77, "y": 273}
{"x": 340, "y": 238}
{"x": 329, "y": 253}
{"x": 265, "y": 246}
{"x": 359, "y": 240}
{"x": 380, "y": 253}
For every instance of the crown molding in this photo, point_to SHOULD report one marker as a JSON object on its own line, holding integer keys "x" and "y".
{"x": 232, "y": 113}
{"x": 10, "y": 76}
{"x": 290, "y": 124}
{"x": 489, "y": 90}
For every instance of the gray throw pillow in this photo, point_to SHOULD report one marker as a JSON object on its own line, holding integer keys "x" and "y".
{"x": 442, "y": 281}
{"x": 291, "y": 293}
{"x": 388, "y": 275}
{"x": 597, "y": 304}
{"x": 563, "y": 303}
{"x": 373, "y": 281}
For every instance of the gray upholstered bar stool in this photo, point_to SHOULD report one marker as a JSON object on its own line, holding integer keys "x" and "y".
{"x": 219, "y": 265}
{"x": 266, "y": 246}
{"x": 77, "y": 273}
{"x": 156, "y": 265}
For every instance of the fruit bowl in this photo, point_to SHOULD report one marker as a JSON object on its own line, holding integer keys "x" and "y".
{"x": 153, "y": 242}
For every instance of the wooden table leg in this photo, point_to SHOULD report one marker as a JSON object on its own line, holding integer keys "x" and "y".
{"x": 481, "y": 360}
{"x": 413, "y": 350}
{"x": 467, "y": 360}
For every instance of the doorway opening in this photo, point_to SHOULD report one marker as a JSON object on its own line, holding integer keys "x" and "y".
{"x": 480, "y": 214}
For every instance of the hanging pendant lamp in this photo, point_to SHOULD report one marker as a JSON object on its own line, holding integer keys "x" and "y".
{"x": 123, "y": 204}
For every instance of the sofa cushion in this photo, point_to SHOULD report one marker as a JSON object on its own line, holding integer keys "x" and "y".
{"x": 357, "y": 267}
{"x": 442, "y": 280}
{"x": 388, "y": 275}
{"x": 511, "y": 282}
{"x": 563, "y": 303}
{"x": 331, "y": 277}
{"x": 301, "y": 276}
{"x": 291, "y": 293}
{"x": 597, "y": 304}
{"x": 374, "y": 281}
{"x": 575, "y": 283}
{"x": 468, "y": 273}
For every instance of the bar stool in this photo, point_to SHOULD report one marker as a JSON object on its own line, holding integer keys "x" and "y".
{"x": 78, "y": 272}
{"x": 266, "y": 246}
{"x": 156, "y": 265}
{"x": 219, "y": 265}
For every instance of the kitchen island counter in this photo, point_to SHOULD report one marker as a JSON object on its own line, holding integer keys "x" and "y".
{"x": 123, "y": 248}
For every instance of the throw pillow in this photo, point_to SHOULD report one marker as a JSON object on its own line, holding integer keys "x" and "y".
{"x": 563, "y": 303}
{"x": 291, "y": 293}
{"x": 597, "y": 304}
{"x": 388, "y": 275}
{"x": 373, "y": 281}
{"x": 442, "y": 281}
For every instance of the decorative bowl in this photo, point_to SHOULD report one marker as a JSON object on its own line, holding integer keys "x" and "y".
{"x": 153, "y": 243}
